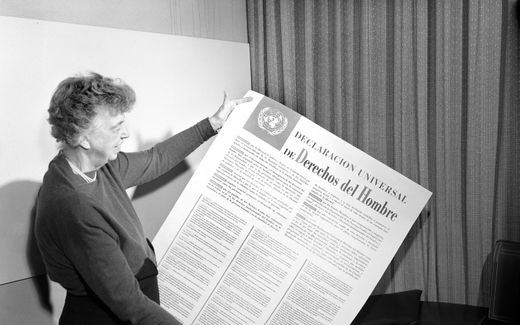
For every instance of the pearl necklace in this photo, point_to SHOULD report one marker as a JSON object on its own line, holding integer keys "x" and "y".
{"x": 77, "y": 171}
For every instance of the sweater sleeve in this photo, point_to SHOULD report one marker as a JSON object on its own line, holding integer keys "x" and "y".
{"x": 94, "y": 251}
{"x": 141, "y": 167}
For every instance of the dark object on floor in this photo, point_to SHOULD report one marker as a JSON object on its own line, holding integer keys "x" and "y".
{"x": 504, "y": 304}
{"x": 405, "y": 307}
{"x": 394, "y": 308}
{"x": 441, "y": 313}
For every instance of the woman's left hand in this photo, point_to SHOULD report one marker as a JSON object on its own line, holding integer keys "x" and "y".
{"x": 218, "y": 119}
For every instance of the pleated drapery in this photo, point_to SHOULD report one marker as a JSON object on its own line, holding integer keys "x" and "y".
{"x": 431, "y": 89}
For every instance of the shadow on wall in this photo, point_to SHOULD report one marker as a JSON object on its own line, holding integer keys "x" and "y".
{"x": 172, "y": 174}
{"x": 154, "y": 200}
{"x": 17, "y": 241}
{"x": 181, "y": 168}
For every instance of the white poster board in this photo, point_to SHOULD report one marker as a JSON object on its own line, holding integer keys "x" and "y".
{"x": 283, "y": 222}
{"x": 168, "y": 74}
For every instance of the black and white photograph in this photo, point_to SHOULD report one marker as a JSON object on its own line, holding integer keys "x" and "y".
{"x": 277, "y": 162}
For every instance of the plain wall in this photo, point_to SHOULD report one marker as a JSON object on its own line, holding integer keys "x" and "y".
{"x": 33, "y": 300}
{"x": 215, "y": 19}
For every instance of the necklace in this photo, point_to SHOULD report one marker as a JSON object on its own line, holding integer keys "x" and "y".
{"x": 77, "y": 171}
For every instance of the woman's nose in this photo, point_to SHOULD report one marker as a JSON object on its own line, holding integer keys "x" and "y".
{"x": 124, "y": 132}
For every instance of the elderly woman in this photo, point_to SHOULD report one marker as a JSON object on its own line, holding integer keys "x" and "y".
{"x": 87, "y": 230}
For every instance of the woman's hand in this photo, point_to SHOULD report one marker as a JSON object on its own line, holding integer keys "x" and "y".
{"x": 218, "y": 119}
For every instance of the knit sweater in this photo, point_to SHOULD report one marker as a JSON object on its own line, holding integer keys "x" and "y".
{"x": 89, "y": 234}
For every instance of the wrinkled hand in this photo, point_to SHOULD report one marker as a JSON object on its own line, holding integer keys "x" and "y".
{"x": 218, "y": 119}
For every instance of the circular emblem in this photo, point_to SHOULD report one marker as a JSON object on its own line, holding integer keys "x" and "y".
{"x": 272, "y": 120}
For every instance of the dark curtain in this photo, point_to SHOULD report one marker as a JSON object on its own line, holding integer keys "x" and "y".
{"x": 431, "y": 89}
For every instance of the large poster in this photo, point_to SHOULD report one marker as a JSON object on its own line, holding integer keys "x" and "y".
{"x": 282, "y": 223}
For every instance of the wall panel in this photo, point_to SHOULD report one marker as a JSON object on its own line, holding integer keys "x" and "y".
{"x": 178, "y": 81}
{"x": 215, "y": 19}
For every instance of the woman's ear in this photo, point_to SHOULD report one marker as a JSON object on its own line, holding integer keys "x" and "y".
{"x": 83, "y": 142}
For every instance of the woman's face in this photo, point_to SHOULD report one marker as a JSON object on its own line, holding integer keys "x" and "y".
{"x": 105, "y": 136}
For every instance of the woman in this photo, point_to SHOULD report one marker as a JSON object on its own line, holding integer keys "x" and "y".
{"x": 88, "y": 232}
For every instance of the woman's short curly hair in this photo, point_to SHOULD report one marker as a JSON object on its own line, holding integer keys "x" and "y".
{"x": 74, "y": 102}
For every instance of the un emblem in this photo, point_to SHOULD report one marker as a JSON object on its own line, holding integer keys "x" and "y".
{"x": 272, "y": 121}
